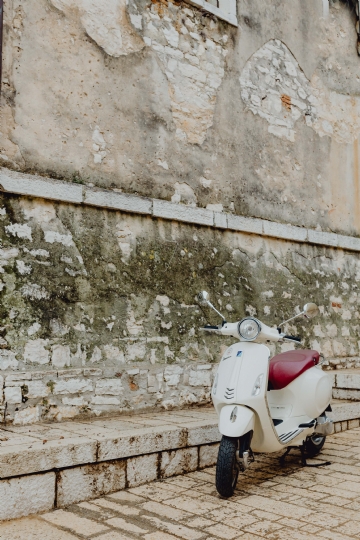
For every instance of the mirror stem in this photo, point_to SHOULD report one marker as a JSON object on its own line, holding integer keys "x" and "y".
{"x": 292, "y": 318}
{"x": 214, "y": 308}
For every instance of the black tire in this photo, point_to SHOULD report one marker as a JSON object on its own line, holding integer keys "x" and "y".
{"x": 227, "y": 468}
{"x": 313, "y": 445}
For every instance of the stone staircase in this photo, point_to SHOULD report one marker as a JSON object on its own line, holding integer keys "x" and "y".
{"x": 43, "y": 466}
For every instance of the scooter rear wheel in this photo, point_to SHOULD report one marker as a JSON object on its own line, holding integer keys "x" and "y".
{"x": 227, "y": 468}
{"x": 313, "y": 445}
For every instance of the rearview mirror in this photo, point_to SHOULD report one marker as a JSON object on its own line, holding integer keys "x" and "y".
{"x": 311, "y": 310}
{"x": 203, "y": 298}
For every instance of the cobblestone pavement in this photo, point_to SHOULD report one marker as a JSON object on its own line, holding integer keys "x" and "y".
{"x": 277, "y": 503}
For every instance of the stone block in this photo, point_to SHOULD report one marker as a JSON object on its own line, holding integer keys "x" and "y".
{"x": 199, "y": 378}
{"x": 30, "y": 415}
{"x": 36, "y": 186}
{"x": 111, "y": 387}
{"x": 220, "y": 220}
{"x": 35, "y": 352}
{"x": 208, "y": 455}
{"x": 13, "y": 395}
{"x": 352, "y": 424}
{"x": 90, "y": 481}
{"x": 203, "y": 433}
{"x": 92, "y": 372}
{"x": 337, "y": 427}
{"x": 117, "y": 201}
{"x": 348, "y": 380}
{"x": 72, "y": 386}
{"x": 348, "y": 242}
{"x": 142, "y": 469}
{"x": 60, "y": 356}
{"x": 288, "y": 232}
{"x": 66, "y": 373}
{"x": 105, "y": 400}
{"x": 180, "y": 212}
{"x": 342, "y": 393}
{"x": 344, "y": 425}
{"x": 26, "y": 495}
{"x": 179, "y": 461}
{"x": 245, "y": 224}
{"x": 344, "y": 411}
{"x": 21, "y": 376}
{"x": 142, "y": 441}
{"x": 54, "y": 454}
{"x": 323, "y": 238}
{"x": 172, "y": 375}
{"x": 37, "y": 389}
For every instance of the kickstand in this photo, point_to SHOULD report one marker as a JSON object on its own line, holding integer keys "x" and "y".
{"x": 304, "y": 462}
{"x": 282, "y": 458}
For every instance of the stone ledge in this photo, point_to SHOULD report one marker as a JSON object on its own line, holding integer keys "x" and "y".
{"x": 45, "y": 447}
{"x": 144, "y": 448}
{"x": 47, "y": 188}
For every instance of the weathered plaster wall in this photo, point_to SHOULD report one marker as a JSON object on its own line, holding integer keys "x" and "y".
{"x": 162, "y": 100}
{"x": 98, "y": 308}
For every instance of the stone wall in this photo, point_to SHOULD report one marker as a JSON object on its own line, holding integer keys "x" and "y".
{"x": 99, "y": 311}
{"x": 252, "y": 129}
{"x": 164, "y": 100}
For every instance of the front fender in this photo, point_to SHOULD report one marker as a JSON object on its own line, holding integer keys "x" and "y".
{"x": 236, "y": 420}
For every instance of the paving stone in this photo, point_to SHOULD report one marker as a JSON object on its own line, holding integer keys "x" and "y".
{"x": 113, "y": 535}
{"x": 33, "y": 529}
{"x": 77, "y": 524}
{"x": 121, "y": 523}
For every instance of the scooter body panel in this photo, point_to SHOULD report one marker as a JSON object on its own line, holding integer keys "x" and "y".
{"x": 242, "y": 381}
{"x": 236, "y": 421}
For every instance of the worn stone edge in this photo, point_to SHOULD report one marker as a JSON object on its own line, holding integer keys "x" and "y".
{"x": 47, "y": 188}
{"x": 55, "y": 500}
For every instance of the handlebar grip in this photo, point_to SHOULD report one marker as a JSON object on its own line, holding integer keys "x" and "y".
{"x": 214, "y": 329}
{"x": 293, "y": 338}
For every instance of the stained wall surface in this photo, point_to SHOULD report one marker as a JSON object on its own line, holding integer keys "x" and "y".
{"x": 162, "y": 100}
{"x": 159, "y": 99}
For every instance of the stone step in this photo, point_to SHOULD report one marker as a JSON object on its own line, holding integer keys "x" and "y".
{"x": 346, "y": 384}
{"x": 53, "y": 465}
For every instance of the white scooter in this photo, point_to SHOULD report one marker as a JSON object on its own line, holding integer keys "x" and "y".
{"x": 266, "y": 406}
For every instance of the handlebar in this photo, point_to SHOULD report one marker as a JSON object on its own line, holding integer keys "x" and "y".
{"x": 293, "y": 338}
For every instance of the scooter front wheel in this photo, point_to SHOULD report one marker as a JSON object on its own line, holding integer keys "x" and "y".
{"x": 227, "y": 467}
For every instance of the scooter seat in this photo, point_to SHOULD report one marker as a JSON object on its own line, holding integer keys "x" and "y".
{"x": 287, "y": 366}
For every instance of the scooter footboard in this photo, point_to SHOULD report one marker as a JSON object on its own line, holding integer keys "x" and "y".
{"x": 236, "y": 420}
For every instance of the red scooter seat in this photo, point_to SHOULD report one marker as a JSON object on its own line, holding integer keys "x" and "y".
{"x": 287, "y": 366}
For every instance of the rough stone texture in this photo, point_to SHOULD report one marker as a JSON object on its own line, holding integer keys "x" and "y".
{"x": 141, "y": 441}
{"x": 36, "y": 455}
{"x": 142, "y": 469}
{"x": 26, "y": 495}
{"x": 169, "y": 104}
{"x": 81, "y": 342}
{"x": 88, "y": 482}
{"x": 179, "y": 461}
{"x": 208, "y": 455}
{"x": 269, "y": 501}
{"x": 171, "y": 112}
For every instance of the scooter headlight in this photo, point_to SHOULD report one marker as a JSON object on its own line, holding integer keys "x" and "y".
{"x": 249, "y": 329}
